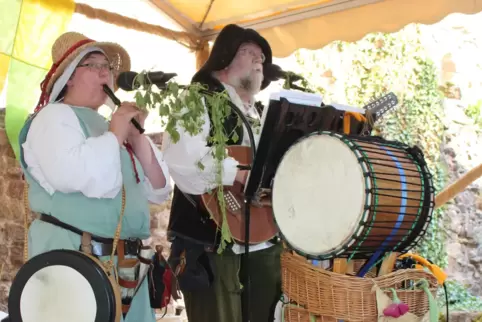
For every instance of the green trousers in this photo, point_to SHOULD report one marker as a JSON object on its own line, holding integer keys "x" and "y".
{"x": 223, "y": 301}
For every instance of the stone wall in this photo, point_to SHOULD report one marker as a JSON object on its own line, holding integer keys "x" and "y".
{"x": 463, "y": 221}
{"x": 11, "y": 218}
{"x": 159, "y": 213}
{"x": 159, "y": 221}
{"x": 456, "y": 45}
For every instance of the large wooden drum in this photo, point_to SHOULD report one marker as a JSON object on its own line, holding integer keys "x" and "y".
{"x": 347, "y": 196}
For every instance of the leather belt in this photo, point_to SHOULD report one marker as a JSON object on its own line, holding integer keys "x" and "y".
{"x": 102, "y": 246}
{"x": 131, "y": 247}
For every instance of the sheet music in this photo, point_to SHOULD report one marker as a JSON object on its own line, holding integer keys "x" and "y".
{"x": 293, "y": 96}
{"x": 347, "y": 108}
{"x": 308, "y": 99}
{"x": 297, "y": 97}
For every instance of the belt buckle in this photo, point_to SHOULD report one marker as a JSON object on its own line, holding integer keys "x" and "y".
{"x": 97, "y": 248}
{"x": 132, "y": 246}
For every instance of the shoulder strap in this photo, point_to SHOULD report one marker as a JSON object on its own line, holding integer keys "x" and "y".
{"x": 82, "y": 124}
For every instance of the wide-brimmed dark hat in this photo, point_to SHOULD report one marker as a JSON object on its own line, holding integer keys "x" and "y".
{"x": 225, "y": 47}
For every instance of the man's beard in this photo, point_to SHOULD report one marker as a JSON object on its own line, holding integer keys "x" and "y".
{"x": 250, "y": 83}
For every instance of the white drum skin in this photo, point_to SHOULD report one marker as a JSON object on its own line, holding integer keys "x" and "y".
{"x": 64, "y": 285}
{"x": 58, "y": 294}
{"x": 318, "y": 194}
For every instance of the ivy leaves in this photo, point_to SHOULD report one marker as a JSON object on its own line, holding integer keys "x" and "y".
{"x": 185, "y": 107}
{"x": 220, "y": 111}
{"x": 177, "y": 107}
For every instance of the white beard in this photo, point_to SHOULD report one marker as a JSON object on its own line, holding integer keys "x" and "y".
{"x": 256, "y": 81}
{"x": 250, "y": 83}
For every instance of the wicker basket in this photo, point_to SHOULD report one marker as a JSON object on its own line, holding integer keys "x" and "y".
{"x": 320, "y": 295}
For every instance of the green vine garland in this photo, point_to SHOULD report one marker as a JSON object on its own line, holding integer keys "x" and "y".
{"x": 183, "y": 107}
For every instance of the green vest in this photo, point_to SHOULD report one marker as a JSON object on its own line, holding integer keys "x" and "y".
{"x": 94, "y": 215}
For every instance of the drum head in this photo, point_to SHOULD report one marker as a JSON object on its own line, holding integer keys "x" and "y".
{"x": 59, "y": 286}
{"x": 318, "y": 195}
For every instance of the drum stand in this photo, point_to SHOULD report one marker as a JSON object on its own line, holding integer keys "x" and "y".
{"x": 388, "y": 264}
{"x": 344, "y": 266}
{"x": 246, "y": 302}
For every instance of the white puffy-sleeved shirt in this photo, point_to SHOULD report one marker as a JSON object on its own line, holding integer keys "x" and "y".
{"x": 184, "y": 155}
{"x": 61, "y": 158}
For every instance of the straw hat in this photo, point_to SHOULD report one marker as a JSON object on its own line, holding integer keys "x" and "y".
{"x": 68, "y": 46}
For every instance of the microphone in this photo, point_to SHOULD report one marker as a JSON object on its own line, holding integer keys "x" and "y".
{"x": 274, "y": 72}
{"x": 117, "y": 102}
{"x": 125, "y": 80}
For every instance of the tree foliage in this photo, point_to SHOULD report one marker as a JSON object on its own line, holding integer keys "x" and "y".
{"x": 356, "y": 73}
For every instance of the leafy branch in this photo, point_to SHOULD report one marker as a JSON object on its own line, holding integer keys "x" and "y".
{"x": 184, "y": 107}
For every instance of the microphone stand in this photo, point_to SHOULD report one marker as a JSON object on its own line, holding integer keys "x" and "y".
{"x": 117, "y": 102}
{"x": 247, "y": 217}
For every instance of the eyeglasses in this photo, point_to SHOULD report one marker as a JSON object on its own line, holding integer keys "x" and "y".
{"x": 252, "y": 53}
{"x": 97, "y": 66}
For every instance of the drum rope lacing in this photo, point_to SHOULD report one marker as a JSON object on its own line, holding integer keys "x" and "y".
{"x": 109, "y": 264}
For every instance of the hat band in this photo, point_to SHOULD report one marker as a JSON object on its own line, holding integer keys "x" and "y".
{"x": 43, "y": 86}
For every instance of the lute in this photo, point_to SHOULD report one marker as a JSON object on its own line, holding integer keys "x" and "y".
{"x": 373, "y": 112}
{"x": 262, "y": 224}
{"x": 380, "y": 106}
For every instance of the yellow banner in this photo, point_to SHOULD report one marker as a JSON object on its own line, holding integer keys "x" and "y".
{"x": 4, "y": 63}
{"x": 41, "y": 22}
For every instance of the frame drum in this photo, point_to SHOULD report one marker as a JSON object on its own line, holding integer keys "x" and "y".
{"x": 64, "y": 285}
{"x": 346, "y": 196}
